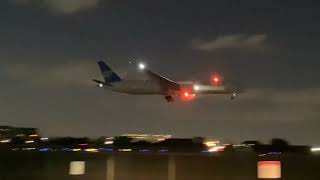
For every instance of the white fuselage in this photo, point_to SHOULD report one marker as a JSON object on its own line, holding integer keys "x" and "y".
{"x": 137, "y": 87}
{"x": 140, "y": 87}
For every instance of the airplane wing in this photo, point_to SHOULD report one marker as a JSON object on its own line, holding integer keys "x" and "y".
{"x": 210, "y": 89}
{"x": 166, "y": 83}
{"x": 97, "y": 81}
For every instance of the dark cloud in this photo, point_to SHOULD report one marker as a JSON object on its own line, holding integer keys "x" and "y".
{"x": 62, "y": 6}
{"x": 76, "y": 73}
{"x": 230, "y": 41}
{"x": 64, "y": 74}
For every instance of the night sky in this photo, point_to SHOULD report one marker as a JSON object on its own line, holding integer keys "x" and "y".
{"x": 48, "y": 51}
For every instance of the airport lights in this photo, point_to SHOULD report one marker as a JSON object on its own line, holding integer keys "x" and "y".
{"x": 315, "y": 149}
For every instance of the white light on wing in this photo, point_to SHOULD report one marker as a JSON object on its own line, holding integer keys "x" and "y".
{"x": 196, "y": 87}
{"x": 141, "y": 66}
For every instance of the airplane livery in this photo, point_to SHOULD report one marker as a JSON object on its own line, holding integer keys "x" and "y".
{"x": 160, "y": 85}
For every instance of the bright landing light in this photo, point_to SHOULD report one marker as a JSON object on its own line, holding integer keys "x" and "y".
{"x": 196, "y": 87}
{"x": 141, "y": 66}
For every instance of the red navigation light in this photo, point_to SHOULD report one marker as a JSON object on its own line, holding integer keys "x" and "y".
{"x": 186, "y": 94}
{"x": 216, "y": 80}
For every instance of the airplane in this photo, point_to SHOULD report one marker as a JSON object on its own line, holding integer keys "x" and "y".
{"x": 160, "y": 85}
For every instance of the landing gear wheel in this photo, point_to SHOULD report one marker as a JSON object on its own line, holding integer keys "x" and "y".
{"x": 169, "y": 99}
{"x": 233, "y": 96}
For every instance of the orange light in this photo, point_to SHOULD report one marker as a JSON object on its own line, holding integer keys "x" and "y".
{"x": 186, "y": 94}
{"x": 269, "y": 170}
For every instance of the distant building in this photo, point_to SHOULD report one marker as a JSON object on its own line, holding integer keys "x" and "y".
{"x": 147, "y": 137}
{"x": 181, "y": 145}
{"x": 269, "y": 149}
{"x": 8, "y": 133}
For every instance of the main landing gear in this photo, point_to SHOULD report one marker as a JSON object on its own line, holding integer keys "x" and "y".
{"x": 169, "y": 99}
{"x": 233, "y": 96}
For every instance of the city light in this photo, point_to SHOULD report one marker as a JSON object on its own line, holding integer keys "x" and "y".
{"x": 44, "y": 139}
{"x": 101, "y": 85}
{"x": 33, "y": 135}
{"x": 144, "y": 150}
{"x": 211, "y": 143}
{"x": 315, "y": 149}
{"x": 29, "y": 142}
{"x": 108, "y": 142}
{"x": 216, "y": 149}
{"x": 91, "y": 150}
{"x": 44, "y": 149}
{"x": 269, "y": 170}
{"x": 5, "y": 141}
{"x": 147, "y": 137}
{"x": 125, "y": 150}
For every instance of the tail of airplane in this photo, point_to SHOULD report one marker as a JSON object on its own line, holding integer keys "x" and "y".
{"x": 107, "y": 73}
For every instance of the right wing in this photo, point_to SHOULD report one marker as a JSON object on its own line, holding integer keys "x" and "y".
{"x": 166, "y": 83}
